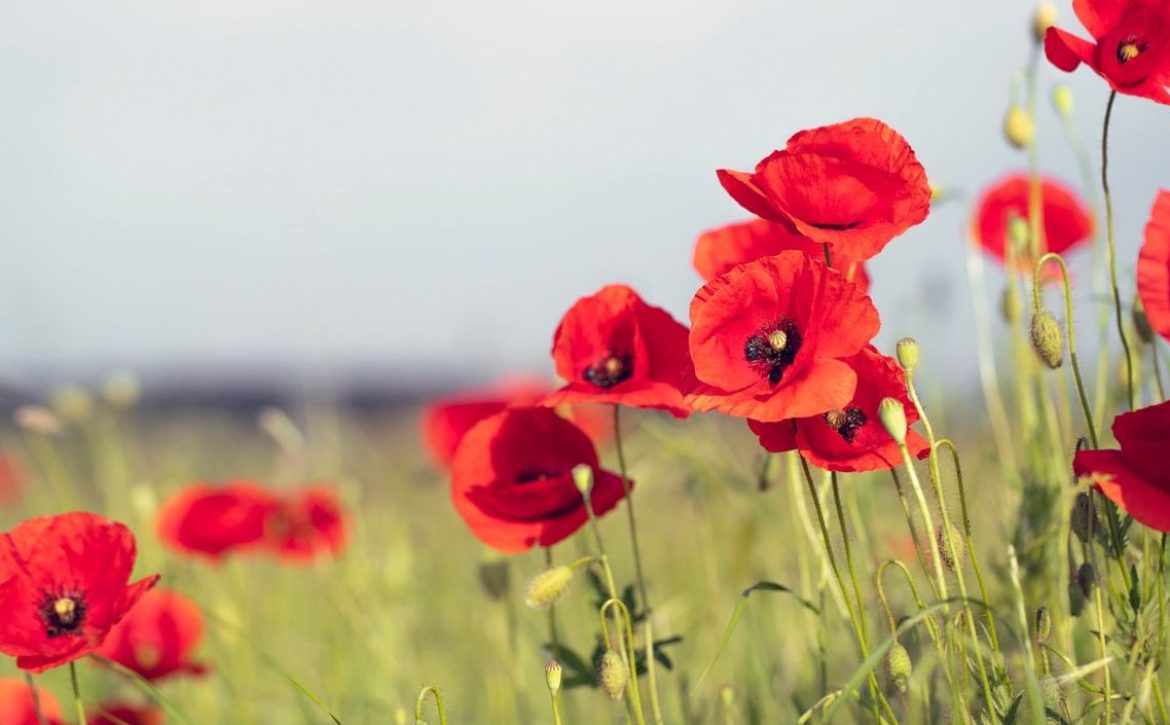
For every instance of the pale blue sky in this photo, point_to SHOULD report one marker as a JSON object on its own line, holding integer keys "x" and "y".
{"x": 430, "y": 184}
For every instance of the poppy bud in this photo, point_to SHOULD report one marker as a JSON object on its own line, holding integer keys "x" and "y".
{"x": 1009, "y": 305}
{"x": 899, "y": 666}
{"x": 726, "y": 695}
{"x": 583, "y": 478}
{"x": 548, "y": 586}
{"x": 1062, "y": 100}
{"x": 1018, "y": 234}
{"x": 1052, "y": 696}
{"x": 1141, "y": 323}
{"x": 1083, "y": 519}
{"x": 493, "y": 577}
{"x": 1087, "y": 579}
{"x": 552, "y": 676}
{"x": 1018, "y": 128}
{"x": 121, "y": 390}
{"x": 893, "y": 418}
{"x": 907, "y": 351}
{"x": 72, "y": 403}
{"x": 38, "y": 419}
{"x": 949, "y": 536}
{"x": 612, "y": 675}
{"x": 1047, "y": 338}
{"x": 1043, "y": 625}
{"x": 1042, "y": 20}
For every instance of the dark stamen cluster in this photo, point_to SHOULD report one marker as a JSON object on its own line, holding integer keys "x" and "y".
{"x": 773, "y": 348}
{"x": 610, "y": 371}
{"x": 846, "y": 422}
{"x": 536, "y": 474}
{"x": 62, "y": 612}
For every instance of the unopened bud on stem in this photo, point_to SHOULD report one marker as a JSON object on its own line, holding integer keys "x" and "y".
{"x": 1042, "y": 20}
{"x": 1047, "y": 338}
{"x": 552, "y": 676}
{"x": 548, "y": 586}
{"x": 893, "y": 418}
{"x": 1018, "y": 127}
{"x": 907, "y": 351}
{"x": 583, "y": 478}
{"x": 612, "y": 675}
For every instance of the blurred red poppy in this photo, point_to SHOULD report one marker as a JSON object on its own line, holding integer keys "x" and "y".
{"x": 17, "y": 706}
{"x": 158, "y": 637}
{"x": 306, "y": 524}
{"x": 612, "y": 347}
{"x": 445, "y": 421}
{"x": 1153, "y": 267}
{"x": 63, "y": 586}
{"x": 212, "y": 521}
{"x": 769, "y": 337}
{"x": 854, "y": 185}
{"x": 120, "y": 713}
{"x": 851, "y": 438}
{"x": 1131, "y": 48}
{"x": 1067, "y": 221}
{"x": 512, "y": 479}
{"x": 717, "y": 251}
{"x": 1136, "y": 478}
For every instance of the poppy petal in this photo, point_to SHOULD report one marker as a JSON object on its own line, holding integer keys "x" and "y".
{"x": 1142, "y": 500}
{"x": 1066, "y": 51}
{"x": 1153, "y": 268}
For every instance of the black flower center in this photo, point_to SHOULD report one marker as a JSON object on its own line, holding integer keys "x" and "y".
{"x": 846, "y": 422}
{"x": 1129, "y": 48}
{"x": 536, "y": 474}
{"x": 610, "y": 370}
{"x": 771, "y": 350}
{"x": 62, "y": 612}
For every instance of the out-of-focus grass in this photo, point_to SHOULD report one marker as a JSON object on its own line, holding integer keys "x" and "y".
{"x": 404, "y": 607}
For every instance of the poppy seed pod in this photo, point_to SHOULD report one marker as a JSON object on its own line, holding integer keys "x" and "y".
{"x": 1062, "y": 100}
{"x": 548, "y": 586}
{"x": 899, "y": 666}
{"x": 1018, "y": 127}
{"x": 907, "y": 351}
{"x": 950, "y": 536}
{"x": 552, "y": 676}
{"x": 1047, "y": 338}
{"x": 893, "y": 418}
{"x": 612, "y": 675}
{"x": 1043, "y": 19}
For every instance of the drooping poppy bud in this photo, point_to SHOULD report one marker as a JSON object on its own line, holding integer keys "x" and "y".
{"x": 612, "y": 675}
{"x": 548, "y": 586}
{"x": 1047, "y": 338}
{"x": 899, "y": 666}
{"x": 1018, "y": 127}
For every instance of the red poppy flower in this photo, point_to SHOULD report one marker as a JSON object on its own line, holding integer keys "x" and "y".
{"x": 719, "y": 250}
{"x": 212, "y": 521}
{"x": 1153, "y": 268}
{"x": 158, "y": 637}
{"x": 1136, "y": 478}
{"x": 769, "y": 338}
{"x": 63, "y": 586}
{"x": 120, "y": 713}
{"x": 17, "y": 706}
{"x": 512, "y": 479}
{"x": 612, "y": 347}
{"x": 305, "y": 525}
{"x": 854, "y": 185}
{"x": 851, "y": 438}
{"x": 445, "y": 421}
{"x": 1131, "y": 49}
{"x": 1067, "y": 221}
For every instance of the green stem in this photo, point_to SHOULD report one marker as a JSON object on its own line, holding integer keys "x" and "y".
{"x": 910, "y": 522}
{"x": 76, "y": 692}
{"x": 36, "y": 699}
{"x": 552, "y": 610}
{"x": 928, "y": 522}
{"x": 647, "y": 629}
{"x": 1130, "y": 382}
{"x": 848, "y": 554}
{"x": 1157, "y": 370}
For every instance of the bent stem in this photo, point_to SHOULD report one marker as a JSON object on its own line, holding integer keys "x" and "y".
{"x": 422, "y": 700}
{"x": 626, "y": 649}
{"x": 1072, "y": 333}
{"x": 1129, "y": 379}
{"x": 648, "y": 628}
